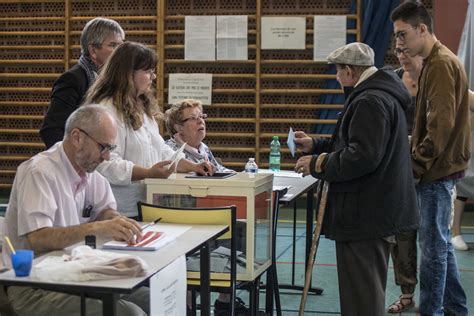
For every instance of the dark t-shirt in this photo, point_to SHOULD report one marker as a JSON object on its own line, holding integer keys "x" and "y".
{"x": 410, "y": 111}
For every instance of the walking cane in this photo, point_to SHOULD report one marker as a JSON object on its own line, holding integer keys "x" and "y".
{"x": 322, "y": 197}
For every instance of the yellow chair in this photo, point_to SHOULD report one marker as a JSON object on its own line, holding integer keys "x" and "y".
{"x": 221, "y": 282}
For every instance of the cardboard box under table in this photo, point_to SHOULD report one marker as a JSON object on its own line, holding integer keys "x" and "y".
{"x": 251, "y": 193}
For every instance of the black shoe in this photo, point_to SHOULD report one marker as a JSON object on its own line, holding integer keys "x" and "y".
{"x": 223, "y": 308}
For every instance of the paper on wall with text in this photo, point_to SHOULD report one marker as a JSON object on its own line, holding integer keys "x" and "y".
{"x": 330, "y": 32}
{"x": 200, "y": 38}
{"x": 232, "y": 37}
{"x": 283, "y": 33}
{"x": 190, "y": 86}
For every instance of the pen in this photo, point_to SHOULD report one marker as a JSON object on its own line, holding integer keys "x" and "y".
{"x": 151, "y": 224}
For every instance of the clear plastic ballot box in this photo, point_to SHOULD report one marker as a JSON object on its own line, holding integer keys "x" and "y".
{"x": 251, "y": 193}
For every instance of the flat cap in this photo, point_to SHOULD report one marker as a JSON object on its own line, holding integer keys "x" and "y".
{"x": 356, "y": 54}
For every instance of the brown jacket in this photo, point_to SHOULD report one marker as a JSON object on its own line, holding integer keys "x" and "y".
{"x": 441, "y": 139}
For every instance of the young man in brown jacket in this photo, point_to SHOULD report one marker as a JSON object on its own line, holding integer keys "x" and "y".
{"x": 441, "y": 149}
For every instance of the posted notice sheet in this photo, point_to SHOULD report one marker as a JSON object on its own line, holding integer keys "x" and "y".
{"x": 232, "y": 37}
{"x": 200, "y": 38}
{"x": 190, "y": 86}
{"x": 283, "y": 33}
{"x": 330, "y": 32}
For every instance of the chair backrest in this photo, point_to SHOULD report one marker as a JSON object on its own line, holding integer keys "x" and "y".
{"x": 205, "y": 216}
{"x": 184, "y": 215}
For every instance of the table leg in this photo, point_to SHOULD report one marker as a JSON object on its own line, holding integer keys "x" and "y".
{"x": 293, "y": 256}
{"x": 83, "y": 304}
{"x": 309, "y": 236}
{"x": 205, "y": 265}
{"x": 108, "y": 301}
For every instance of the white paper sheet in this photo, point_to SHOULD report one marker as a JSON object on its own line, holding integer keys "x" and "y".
{"x": 282, "y": 173}
{"x": 232, "y": 42}
{"x": 168, "y": 290}
{"x": 175, "y": 157}
{"x": 280, "y": 187}
{"x": 232, "y": 49}
{"x": 290, "y": 141}
{"x": 200, "y": 38}
{"x": 170, "y": 233}
{"x": 232, "y": 26}
{"x": 283, "y": 33}
{"x": 190, "y": 86}
{"x": 330, "y": 32}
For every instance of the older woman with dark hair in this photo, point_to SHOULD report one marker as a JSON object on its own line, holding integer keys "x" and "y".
{"x": 186, "y": 123}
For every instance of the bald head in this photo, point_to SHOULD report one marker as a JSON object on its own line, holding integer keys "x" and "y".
{"x": 93, "y": 118}
{"x": 89, "y": 137}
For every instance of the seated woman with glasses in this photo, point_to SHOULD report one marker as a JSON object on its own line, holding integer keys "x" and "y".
{"x": 186, "y": 123}
{"x": 125, "y": 87}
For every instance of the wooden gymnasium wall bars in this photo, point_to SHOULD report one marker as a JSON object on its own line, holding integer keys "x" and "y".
{"x": 253, "y": 99}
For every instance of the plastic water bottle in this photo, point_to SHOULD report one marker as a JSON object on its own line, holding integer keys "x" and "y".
{"x": 275, "y": 154}
{"x": 251, "y": 166}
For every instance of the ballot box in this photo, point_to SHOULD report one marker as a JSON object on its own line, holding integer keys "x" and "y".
{"x": 251, "y": 193}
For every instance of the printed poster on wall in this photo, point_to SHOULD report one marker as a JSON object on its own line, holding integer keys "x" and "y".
{"x": 200, "y": 38}
{"x": 190, "y": 86}
{"x": 232, "y": 43}
{"x": 330, "y": 32}
{"x": 283, "y": 33}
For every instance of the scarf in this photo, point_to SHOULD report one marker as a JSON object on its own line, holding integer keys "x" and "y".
{"x": 90, "y": 68}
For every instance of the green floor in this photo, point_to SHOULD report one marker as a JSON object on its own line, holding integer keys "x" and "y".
{"x": 325, "y": 275}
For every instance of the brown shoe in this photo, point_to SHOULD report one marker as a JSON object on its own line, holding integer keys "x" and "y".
{"x": 404, "y": 303}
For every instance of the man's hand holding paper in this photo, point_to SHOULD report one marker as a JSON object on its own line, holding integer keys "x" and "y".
{"x": 303, "y": 142}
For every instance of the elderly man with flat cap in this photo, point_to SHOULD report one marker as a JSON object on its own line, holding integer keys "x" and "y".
{"x": 367, "y": 165}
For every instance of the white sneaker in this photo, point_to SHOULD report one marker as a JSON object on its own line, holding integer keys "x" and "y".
{"x": 458, "y": 243}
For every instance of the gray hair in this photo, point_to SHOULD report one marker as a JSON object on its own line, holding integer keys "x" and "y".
{"x": 95, "y": 32}
{"x": 86, "y": 117}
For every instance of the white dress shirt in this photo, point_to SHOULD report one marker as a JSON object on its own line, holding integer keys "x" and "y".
{"x": 48, "y": 192}
{"x": 143, "y": 147}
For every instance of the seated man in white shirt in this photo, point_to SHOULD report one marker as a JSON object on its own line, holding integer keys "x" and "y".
{"x": 57, "y": 199}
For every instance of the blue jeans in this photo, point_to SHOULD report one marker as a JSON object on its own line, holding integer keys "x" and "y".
{"x": 441, "y": 292}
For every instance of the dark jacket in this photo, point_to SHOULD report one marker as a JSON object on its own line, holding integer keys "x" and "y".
{"x": 371, "y": 191}
{"x": 67, "y": 95}
{"x": 441, "y": 140}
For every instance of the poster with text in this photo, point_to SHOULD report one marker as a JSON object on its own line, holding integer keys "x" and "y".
{"x": 283, "y": 33}
{"x": 330, "y": 32}
{"x": 190, "y": 86}
{"x": 232, "y": 42}
{"x": 200, "y": 38}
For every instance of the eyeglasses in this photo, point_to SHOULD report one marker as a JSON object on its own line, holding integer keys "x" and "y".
{"x": 202, "y": 116}
{"x": 103, "y": 147}
{"x": 151, "y": 72}
{"x": 112, "y": 45}
{"x": 398, "y": 51}
{"x": 400, "y": 35}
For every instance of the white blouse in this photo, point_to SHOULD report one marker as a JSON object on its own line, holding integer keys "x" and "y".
{"x": 143, "y": 147}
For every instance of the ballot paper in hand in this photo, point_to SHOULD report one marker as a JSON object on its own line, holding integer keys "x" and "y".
{"x": 291, "y": 142}
{"x": 175, "y": 158}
